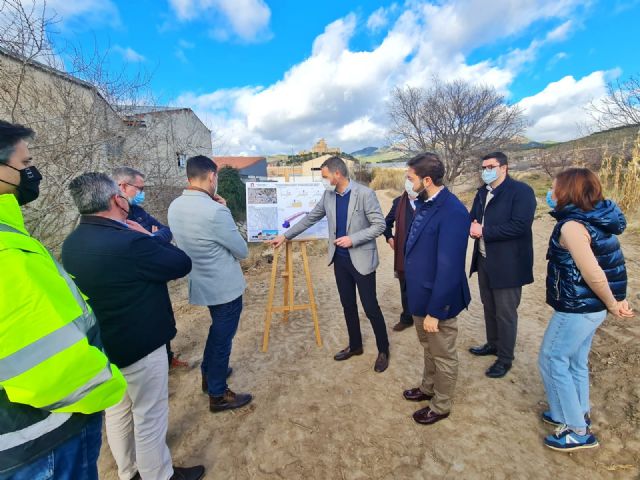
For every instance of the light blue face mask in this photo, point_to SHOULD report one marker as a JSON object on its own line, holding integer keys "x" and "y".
{"x": 138, "y": 199}
{"x": 490, "y": 176}
{"x": 550, "y": 201}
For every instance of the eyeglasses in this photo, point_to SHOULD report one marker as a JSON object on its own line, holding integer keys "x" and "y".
{"x": 489, "y": 167}
{"x": 135, "y": 186}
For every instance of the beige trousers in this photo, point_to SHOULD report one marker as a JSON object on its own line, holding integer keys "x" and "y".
{"x": 440, "y": 363}
{"x": 137, "y": 426}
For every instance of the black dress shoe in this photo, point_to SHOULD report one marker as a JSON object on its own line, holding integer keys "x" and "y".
{"x": 416, "y": 395}
{"x": 382, "y": 362}
{"x": 188, "y": 473}
{"x": 498, "y": 370}
{"x": 228, "y": 401}
{"x": 426, "y": 416}
{"x": 347, "y": 353}
{"x": 400, "y": 326}
{"x": 484, "y": 350}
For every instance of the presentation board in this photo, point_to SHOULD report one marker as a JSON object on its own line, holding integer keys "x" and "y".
{"x": 272, "y": 208}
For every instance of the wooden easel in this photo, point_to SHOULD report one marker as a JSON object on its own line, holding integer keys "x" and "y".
{"x": 289, "y": 303}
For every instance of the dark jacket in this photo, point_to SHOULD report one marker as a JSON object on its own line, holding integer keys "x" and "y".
{"x": 435, "y": 254}
{"x": 140, "y": 215}
{"x": 566, "y": 289}
{"x": 506, "y": 232}
{"x": 125, "y": 273}
{"x": 400, "y": 238}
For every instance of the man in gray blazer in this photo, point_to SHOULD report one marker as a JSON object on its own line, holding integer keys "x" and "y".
{"x": 355, "y": 221}
{"x": 203, "y": 227}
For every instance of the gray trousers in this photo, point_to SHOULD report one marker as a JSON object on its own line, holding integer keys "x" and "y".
{"x": 500, "y": 314}
{"x": 440, "y": 363}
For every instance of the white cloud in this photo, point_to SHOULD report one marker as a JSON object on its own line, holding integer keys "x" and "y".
{"x": 559, "y": 111}
{"x": 80, "y": 12}
{"x": 560, "y": 33}
{"x": 341, "y": 94}
{"x": 129, "y": 54}
{"x": 246, "y": 19}
{"x": 379, "y": 18}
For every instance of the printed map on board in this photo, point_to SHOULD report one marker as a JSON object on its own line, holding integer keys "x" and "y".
{"x": 272, "y": 208}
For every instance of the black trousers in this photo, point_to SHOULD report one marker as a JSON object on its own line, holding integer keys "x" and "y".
{"x": 500, "y": 313}
{"x": 347, "y": 280}
{"x": 405, "y": 316}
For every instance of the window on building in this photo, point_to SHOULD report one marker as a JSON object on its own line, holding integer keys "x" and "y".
{"x": 182, "y": 159}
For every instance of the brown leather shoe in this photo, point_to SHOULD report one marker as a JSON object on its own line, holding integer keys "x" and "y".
{"x": 346, "y": 354}
{"x": 188, "y": 473}
{"x": 228, "y": 401}
{"x": 426, "y": 416}
{"x": 416, "y": 395}
{"x": 382, "y": 362}
{"x": 400, "y": 326}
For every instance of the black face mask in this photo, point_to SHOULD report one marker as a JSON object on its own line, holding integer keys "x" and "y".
{"x": 29, "y": 187}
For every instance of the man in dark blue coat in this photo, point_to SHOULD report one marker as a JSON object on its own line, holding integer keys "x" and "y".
{"x": 131, "y": 184}
{"x": 124, "y": 271}
{"x": 437, "y": 287}
{"x": 502, "y": 215}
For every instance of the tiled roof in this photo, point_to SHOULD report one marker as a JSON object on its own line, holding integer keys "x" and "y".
{"x": 238, "y": 163}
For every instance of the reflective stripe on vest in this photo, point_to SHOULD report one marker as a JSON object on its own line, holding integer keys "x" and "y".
{"x": 32, "y": 432}
{"x": 55, "y": 342}
{"x": 102, "y": 377}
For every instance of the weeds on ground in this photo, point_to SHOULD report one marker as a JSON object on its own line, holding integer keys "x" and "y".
{"x": 388, "y": 179}
{"x": 621, "y": 180}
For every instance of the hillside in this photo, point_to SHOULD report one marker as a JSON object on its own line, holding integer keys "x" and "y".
{"x": 380, "y": 155}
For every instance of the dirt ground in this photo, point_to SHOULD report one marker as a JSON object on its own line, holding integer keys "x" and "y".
{"x": 314, "y": 418}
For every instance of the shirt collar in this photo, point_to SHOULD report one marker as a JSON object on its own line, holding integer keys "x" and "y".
{"x": 432, "y": 198}
{"x": 346, "y": 190}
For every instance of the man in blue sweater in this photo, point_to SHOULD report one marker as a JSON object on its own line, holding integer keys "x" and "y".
{"x": 131, "y": 184}
{"x": 355, "y": 221}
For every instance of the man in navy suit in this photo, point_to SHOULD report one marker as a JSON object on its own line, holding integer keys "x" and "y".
{"x": 437, "y": 287}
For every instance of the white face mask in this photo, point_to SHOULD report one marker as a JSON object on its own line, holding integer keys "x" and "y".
{"x": 327, "y": 185}
{"x": 408, "y": 187}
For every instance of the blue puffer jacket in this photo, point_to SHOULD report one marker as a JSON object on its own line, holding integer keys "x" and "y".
{"x": 566, "y": 289}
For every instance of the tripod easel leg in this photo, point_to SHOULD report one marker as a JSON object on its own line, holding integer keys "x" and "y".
{"x": 312, "y": 299}
{"x": 290, "y": 274}
{"x": 272, "y": 289}
{"x": 288, "y": 300}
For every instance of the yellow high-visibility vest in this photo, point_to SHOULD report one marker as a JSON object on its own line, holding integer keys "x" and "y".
{"x": 51, "y": 357}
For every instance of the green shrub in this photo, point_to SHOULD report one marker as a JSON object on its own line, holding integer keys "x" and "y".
{"x": 232, "y": 189}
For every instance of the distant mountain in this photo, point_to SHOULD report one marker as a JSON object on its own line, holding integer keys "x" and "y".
{"x": 365, "y": 152}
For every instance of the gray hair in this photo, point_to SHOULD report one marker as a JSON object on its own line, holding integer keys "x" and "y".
{"x": 126, "y": 174}
{"x": 336, "y": 164}
{"x": 92, "y": 192}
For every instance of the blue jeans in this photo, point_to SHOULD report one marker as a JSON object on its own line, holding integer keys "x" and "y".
{"x": 215, "y": 362}
{"x": 564, "y": 365}
{"x": 75, "y": 459}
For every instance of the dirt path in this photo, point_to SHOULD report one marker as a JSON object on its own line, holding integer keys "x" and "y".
{"x": 313, "y": 418}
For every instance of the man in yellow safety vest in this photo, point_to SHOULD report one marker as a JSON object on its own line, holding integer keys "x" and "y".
{"x": 54, "y": 375}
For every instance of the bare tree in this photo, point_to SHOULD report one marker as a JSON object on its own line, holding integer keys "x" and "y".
{"x": 457, "y": 119}
{"x": 74, "y": 123}
{"x": 620, "y": 107}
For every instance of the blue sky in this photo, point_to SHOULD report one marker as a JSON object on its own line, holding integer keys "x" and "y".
{"x": 273, "y": 76}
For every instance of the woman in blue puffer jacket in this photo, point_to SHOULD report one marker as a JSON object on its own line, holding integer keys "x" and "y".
{"x": 586, "y": 277}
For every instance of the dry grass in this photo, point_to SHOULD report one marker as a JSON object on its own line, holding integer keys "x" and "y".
{"x": 621, "y": 180}
{"x": 388, "y": 179}
{"x": 261, "y": 254}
